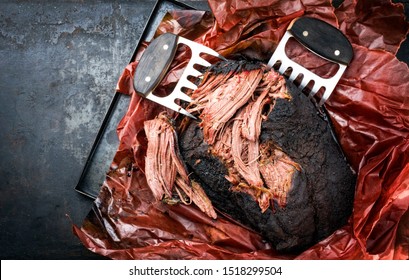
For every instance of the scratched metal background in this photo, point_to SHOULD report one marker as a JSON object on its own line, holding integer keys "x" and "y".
{"x": 59, "y": 64}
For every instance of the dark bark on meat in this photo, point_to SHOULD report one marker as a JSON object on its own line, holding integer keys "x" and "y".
{"x": 308, "y": 187}
{"x": 231, "y": 108}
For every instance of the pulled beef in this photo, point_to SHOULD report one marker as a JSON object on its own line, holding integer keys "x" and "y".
{"x": 165, "y": 171}
{"x": 265, "y": 157}
{"x": 231, "y": 106}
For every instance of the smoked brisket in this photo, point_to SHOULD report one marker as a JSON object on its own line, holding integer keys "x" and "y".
{"x": 267, "y": 159}
{"x": 166, "y": 174}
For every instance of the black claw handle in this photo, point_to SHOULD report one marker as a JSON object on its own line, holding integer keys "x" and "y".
{"x": 154, "y": 63}
{"x": 322, "y": 39}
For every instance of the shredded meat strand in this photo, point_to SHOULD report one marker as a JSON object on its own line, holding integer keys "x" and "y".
{"x": 165, "y": 171}
{"x": 221, "y": 103}
{"x": 277, "y": 170}
{"x": 232, "y": 104}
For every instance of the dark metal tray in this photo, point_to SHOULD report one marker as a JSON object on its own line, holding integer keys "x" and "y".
{"x": 106, "y": 142}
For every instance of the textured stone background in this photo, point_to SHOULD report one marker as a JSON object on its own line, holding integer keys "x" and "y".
{"x": 59, "y": 64}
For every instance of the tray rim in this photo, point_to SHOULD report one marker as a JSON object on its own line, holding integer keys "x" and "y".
{"x": 117, "y": 95}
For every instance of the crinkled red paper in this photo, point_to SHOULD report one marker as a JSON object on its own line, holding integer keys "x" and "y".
{"x": 369, "y": 110}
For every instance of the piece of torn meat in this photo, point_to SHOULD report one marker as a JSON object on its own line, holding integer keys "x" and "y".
{"x": 266, "y": 158}
{"x": 232, "y": 101}
{"x": 166, "y": 173}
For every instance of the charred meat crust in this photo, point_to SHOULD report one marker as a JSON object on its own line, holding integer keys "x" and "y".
{"x": 289, "y": 227}
{"x": 304, "y": 136}
{"x": 321, "y": 195}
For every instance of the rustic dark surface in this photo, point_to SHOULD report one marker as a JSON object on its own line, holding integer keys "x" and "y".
{"x": 59, "y": 64}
